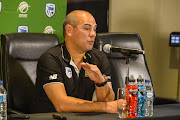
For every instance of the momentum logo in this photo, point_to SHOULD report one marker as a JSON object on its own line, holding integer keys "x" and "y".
{"x": 49, "y": 30}
{"x": 23, "y": 8}
{"x": 50, "y": 9}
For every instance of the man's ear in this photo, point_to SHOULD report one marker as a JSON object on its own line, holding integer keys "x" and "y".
{"x": 69, "y": 29}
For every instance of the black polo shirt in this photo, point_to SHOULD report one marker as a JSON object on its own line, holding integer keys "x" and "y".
{"x": 57, "y": 66}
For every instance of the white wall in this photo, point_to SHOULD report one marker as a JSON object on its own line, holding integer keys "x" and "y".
{"x": 153, "y": 20}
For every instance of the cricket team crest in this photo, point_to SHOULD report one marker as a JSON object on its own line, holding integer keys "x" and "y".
{"x": 48, "y": 30}
{"x": 50, "y": 9}
{"x": 68, "y": 72}
{"x": 0, "y": 6}
{"x": 22, "y": 29}
{"x": 23, "y": 7}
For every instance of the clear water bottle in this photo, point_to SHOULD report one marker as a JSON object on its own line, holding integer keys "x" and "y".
{"x": 141, "y": 96}
{"x": 149, "y": 98}
{"x": 3, "y": 102}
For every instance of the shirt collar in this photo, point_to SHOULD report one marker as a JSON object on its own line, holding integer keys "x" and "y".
{"x": 67, "y": 57}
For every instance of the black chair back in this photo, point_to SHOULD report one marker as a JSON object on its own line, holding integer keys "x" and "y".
{"x": 137, "y": 63}
{"x": 19, "y": 56}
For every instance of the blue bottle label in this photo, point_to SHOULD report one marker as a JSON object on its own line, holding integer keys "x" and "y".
{"x": 3, "y": 98}
{"x": 141, "y": 87}
{"x": 140, "y": 95}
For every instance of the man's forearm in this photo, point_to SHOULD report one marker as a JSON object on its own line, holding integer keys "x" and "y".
{"x": 63, "y": 103}
{"x": 71, "y": 104}
{"x": 79, "y": 105}
{"x": 105, "y": 93}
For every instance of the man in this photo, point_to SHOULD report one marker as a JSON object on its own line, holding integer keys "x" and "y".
{"x": 68, "y": 74}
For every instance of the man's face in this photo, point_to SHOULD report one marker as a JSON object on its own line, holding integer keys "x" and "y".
{"x": 84, "y": 33}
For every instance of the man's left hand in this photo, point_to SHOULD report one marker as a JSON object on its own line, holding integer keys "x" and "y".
{"x": 93, "y": 72}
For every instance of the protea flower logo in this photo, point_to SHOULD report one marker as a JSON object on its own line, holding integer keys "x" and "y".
{"x": 50, "y": 9}
{"x": 23, "y": 7}
{"x": 22, "y": 28}
{"x": 49, "y": 30}
{"x": 0, "y": 6}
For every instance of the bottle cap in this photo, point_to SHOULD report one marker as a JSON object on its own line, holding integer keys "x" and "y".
{"x": 1, "y": 82}
{"x": 147, "y": 80}
{"x": 131, "y": 77}
{"x": 140, "y": 76}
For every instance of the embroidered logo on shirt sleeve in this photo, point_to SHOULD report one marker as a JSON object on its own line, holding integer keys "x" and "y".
{"x": 53, "y": 77}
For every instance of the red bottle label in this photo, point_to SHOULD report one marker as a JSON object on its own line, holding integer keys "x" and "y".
{"x": 131, "y": 97}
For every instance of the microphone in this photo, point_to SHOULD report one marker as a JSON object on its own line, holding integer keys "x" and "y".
{"x": 125, "y": 51}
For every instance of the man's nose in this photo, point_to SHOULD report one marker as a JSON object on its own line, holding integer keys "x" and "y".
{"x": 93, "y": 33}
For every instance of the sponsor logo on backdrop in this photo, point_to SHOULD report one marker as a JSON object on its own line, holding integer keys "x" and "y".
{"x": 49, "y": 30}
{"x": 0, "y": 6}
{"x": 23, "y": 8}
{"x": 22, "y": 29}
{"x": 50, "y": 9}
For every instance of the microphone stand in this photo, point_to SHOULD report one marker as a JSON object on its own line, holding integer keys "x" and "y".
{"x": 128, "y": 56}
{"x": 127, "y": 68}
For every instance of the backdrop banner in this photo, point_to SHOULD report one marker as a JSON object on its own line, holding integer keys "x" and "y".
{"x": 34, "y": 16}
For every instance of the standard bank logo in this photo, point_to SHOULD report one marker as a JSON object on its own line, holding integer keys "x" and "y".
{"x": 50, "y": 9}
{"x": 22, "y": 29}
{"x": 0, "y": 6}
{"x": 48, "y": 30}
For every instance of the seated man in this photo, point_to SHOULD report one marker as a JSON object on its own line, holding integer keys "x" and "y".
{"x": 68, "y": 74}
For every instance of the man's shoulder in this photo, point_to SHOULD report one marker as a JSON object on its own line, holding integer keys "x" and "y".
{"x": 53, "y": 52}
{"x": 55, "y": 49}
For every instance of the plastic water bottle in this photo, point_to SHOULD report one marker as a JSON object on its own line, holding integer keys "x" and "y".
{"x": 3, "y": 102}
{"x": 131, "y": 97}
{"x": 149, "y": 98}
{"x": 141, "y": 96}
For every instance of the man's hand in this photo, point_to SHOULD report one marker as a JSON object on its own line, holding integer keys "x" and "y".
{"x": 112, "y": 106}
{"x": 93, "y": 72}
{"x": 104, "y": 93}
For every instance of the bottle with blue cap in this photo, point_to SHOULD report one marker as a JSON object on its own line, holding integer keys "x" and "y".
{"x": 3, "y": 102}
{"x": 149, "y": 98}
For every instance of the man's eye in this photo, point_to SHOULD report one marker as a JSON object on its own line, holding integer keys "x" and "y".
{"x": 86, "y": 28}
